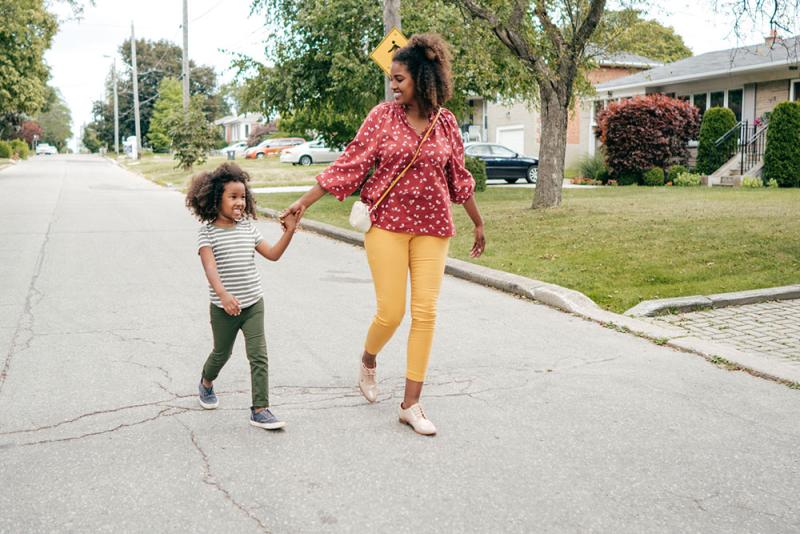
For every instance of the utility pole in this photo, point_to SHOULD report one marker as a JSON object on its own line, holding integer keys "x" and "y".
{"x": 136, "y": 95}
{"x": 116, "y": 108}
{"x": 185, "y": 56}
{"x": 391, "y": 19}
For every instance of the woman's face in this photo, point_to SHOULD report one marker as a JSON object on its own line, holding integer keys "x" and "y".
{"x": 402, "y": 84}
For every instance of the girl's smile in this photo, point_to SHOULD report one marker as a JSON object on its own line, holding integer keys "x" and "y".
{"x": 234, "y": 201}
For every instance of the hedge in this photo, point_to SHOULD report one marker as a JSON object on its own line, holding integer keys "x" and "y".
{"x": 782, "y": 156}
{"x": 5, "y": 149}
{"x": 477, "y": 168}
{"x": 20, "y": 147}
{"x": 716, "y": 122}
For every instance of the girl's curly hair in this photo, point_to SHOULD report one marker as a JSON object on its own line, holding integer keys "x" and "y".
{"x": 427, "y": 58}
{"x": 205, "y": 192}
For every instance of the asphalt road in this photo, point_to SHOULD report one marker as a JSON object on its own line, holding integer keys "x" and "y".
{"x": 547, "y": 422}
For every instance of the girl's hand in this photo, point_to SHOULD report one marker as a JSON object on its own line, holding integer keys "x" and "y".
{"x": 480, "y": 242}
{"x": 296, "y": 209}
{"x": 289, "y": 222}
{"x": 230, "y": 304}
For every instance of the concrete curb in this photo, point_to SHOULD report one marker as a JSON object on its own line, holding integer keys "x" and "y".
{"x": 651, "y": 308}
{"x": 577, "y": 303}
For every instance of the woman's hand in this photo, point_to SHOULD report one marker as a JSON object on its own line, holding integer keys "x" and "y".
{"x": 296, "y": 211}
{"x": 480, "y": 242}
{"x": 289, "y": 221}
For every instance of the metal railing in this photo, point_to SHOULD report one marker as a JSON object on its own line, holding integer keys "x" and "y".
{"x": 753, "y": 150}
{"x": 748, "y": 140}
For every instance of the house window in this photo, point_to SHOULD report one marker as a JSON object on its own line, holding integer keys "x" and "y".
{"x": 685, "y": 98}
{"x": 247, "y": 130}
{"x": 735, "y": 97}
{"x": 699, "y": 102}
{"x": 717, "y": 99}
{"x": 794, "y": 91}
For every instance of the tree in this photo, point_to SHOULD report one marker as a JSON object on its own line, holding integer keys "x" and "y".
{"x": 169, "y": 104}
{"x": 627, "y": 31}
{"x": 716, "y": 122}
{"x": 26, "y": 31}
{"x": 30, "y": 131}
{"x": 90, "y": 140}
{"x": 782, "y": 157}
{"x": 55, "y": 120}
{"x": 192, "y": 135}
{"x": 323, "y": 80}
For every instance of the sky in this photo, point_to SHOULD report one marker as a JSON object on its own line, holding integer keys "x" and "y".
{"x": 217, "y": 28}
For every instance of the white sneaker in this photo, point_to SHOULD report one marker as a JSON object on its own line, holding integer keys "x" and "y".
{"x": 367, "y": 384}
{"x": 415, "y": 417}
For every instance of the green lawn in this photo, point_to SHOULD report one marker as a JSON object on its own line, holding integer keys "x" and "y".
{"x": 264, "y": 172}
{"x": 622, "y": 245}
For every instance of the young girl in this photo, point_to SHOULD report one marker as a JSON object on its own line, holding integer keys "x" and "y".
{"x": 226, "y": 243}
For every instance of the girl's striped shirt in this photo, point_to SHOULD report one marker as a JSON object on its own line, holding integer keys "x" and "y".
{"x": 234, "y": 251}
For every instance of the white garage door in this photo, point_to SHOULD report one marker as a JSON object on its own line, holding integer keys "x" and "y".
{"x": 513, "y": 137}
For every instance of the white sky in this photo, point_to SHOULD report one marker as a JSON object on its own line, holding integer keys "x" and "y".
{"x": 79, "y": 69}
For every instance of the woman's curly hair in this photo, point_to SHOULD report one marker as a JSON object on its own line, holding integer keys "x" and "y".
{"x": 427, "y": 58}
{"x": 205, "y": 192}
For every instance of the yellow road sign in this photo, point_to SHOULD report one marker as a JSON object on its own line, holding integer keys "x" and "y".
{"x": 383, "y": 54}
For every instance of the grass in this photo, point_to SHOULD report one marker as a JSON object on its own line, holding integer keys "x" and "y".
{"x": 264, "y": 172}
{"x": 622, "y": 245}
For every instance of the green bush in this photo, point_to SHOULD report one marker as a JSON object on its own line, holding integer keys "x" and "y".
{"x": 752, "y": 182}
{"x": 687, "y": 179}
{"x": 716, "y": 122}
{"x": 593, "y": 167}
{"x": 674, "y": 171}
{"x": 5, "y": 149}
{"x": 477, "y": 168}
{"x": 628, "y": 178}
{"x": 20, "y": 147}
{"x": 653, "y": 176}
{"x": 782, "y": 157}
{"x": 773, "y": 183}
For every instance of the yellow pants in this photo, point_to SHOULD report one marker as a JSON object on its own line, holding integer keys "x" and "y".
{"x": 391, "y": 256}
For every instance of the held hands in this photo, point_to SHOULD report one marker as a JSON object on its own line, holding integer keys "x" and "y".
{"x": 289, "y": 221}
{"x": 480, "y": 242}
{"x": 230, "y": 304}
{"x": 296, "y": 211}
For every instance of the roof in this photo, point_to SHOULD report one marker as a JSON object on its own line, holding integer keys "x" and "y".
{"x": 243, "y": 118}
{"x": 713, "y": 64}
{"x": 626, "y": 59}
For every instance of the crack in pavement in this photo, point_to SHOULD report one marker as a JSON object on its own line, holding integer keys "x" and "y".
{"x": 208, "y": 479}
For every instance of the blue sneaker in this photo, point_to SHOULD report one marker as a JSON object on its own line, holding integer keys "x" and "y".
{"x": 265, "y": 419}
{"x": 208, "y": 399}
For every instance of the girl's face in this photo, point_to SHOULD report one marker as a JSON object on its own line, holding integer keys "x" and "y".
{"x": 234, "y": 201}
{"x": 402, "y": 84}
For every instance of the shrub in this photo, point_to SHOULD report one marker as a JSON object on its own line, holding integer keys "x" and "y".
{"x": 5, "y": 149}
{"x": 654, "y": 176}
{"x": 752, "y": 182}
{"x": 646, "y": 131}
{"x": 20, "y": 147}
{"x": 773, "y": 183}
{"x": 687, "y": 179}
{"x": 593, "y": 167}
{"x": 782, "y": 157}
{"x": 674, "y": 171}
{"x": 629, "y": 178}
{"x": 716, "y": 122}
{"x": 477, "y": 168}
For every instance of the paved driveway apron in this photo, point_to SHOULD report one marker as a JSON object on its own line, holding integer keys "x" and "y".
{"x": 548, "y": 423}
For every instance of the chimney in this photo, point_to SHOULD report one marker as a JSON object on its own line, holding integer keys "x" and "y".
{"x": 772, "y": 38}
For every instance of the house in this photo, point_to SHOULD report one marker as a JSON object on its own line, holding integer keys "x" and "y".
{"x": 518, "y": 126}
{"x": 238, "y": 128}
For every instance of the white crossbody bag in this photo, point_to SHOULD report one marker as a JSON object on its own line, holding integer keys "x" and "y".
{"x": 361, "y": 214}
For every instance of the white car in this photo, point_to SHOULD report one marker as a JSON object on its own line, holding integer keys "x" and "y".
{"x": 238, "y": 148}
{"x": 44, "y": 148}
{"x": 308, "y": 153}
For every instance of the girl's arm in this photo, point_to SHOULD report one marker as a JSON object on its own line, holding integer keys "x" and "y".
{"x": 274, "y": 252}
{"x": 471, "y": 207}
{"x": 229, "y": 302}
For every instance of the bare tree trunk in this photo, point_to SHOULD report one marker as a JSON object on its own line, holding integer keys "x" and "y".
{"x": 552, "y": 150}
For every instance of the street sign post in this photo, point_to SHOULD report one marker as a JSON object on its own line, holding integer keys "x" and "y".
{"x": 382, "y": 55}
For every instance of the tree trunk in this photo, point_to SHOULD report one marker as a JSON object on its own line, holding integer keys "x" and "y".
{"x": 552, "y": 150}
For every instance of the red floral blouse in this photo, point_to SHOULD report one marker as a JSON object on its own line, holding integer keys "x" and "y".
{"x": 420, "y": 202}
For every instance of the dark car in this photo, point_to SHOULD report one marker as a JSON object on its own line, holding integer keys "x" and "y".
{"x": 504, "y": 163}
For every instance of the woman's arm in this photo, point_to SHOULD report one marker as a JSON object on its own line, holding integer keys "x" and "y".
{"x": 471, "y": 207}
{"x": 300, "y": 205}
{"x": 229, "y": 302}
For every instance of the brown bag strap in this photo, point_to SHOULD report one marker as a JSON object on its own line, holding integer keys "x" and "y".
{"x": 419, "y": 147}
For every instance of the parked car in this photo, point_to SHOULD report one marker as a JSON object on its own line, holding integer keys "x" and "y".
{"x": 308, "y": 153}
{"x": 504, "y": 163}
{"x": 273, "y": 146}
{"x": 238, "y": 148}
{"x": 46, "y": 149}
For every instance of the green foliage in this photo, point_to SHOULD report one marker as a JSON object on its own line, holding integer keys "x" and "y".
{"x": 90, "y": 140}
{"x": 653, "y": 176}
{"x": 752, "y": 182}
{"x": 627, "y": 31}
{"x": 26, "y": 32}
{"x": 772, "y": 183}
{"x": 165, "y": 111}
{"x": 5, "y": 149}
{"x": 782, "y": 156}
{"x": 716, "y": 122}
{"x": 20, "y": 148}
{"x": 674, "y": 170}
{"x": 593, "y": 167}
{"x": 55, "y": 120}
{"x": 192, "y": 135}
{"x": 687, "y": 179}
{"x": 629, "y": 178}
{"x": 324, "y": 80}
{"x": 477, "y": 168}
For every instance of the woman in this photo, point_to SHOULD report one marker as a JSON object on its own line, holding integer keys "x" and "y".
{"x": 412, "y": 226}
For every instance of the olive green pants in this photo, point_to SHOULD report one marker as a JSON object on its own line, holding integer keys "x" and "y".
{"x": 225, "y": 329}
